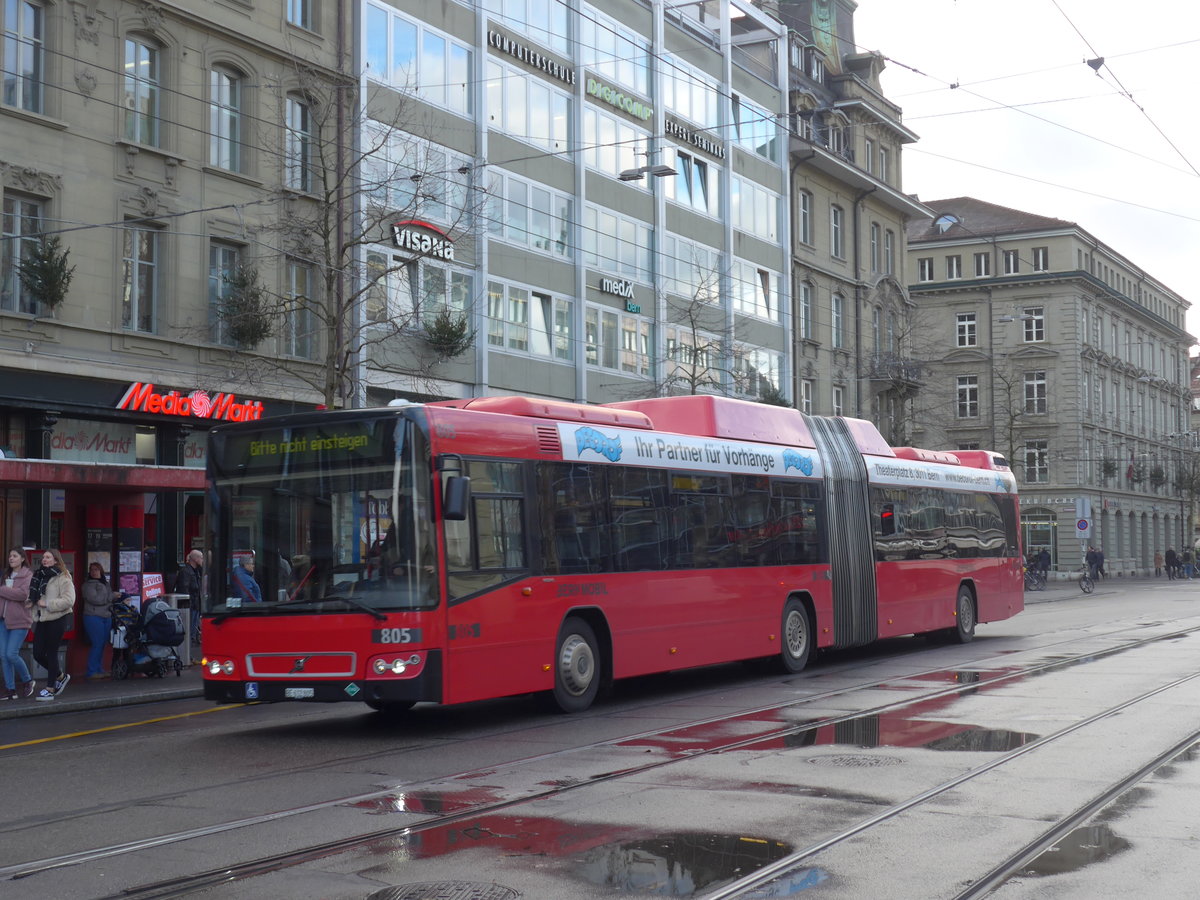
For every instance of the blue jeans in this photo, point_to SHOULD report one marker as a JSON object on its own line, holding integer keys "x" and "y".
{"x": 10, "y": 657}
{"x": 97, "y": 628}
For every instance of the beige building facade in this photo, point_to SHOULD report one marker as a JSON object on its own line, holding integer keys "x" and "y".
{"x": 158, "y": 144}
{"x": 1049, "y": 346}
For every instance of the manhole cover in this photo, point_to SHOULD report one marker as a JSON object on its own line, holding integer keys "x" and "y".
{"x": 445, "y": 890}
{"x": 856, "y": 762}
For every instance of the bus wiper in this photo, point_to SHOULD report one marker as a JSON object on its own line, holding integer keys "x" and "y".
{"x": 349, "y": 601}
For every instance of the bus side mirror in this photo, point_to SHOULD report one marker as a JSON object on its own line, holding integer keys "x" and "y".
{"x": 456, "y": 497}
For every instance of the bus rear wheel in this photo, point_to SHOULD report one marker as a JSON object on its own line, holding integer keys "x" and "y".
{"x": 797, "y": 637}
{"x": 576, "y": 666}
{"x": 963, "y": 631}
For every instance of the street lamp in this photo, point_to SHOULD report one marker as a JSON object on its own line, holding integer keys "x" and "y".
{"x": 658, "y": 171}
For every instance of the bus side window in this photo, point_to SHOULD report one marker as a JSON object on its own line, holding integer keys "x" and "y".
{"x": 887, "y": 520}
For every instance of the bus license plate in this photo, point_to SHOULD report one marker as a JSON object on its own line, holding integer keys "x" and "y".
{"x": 299, "y": 693}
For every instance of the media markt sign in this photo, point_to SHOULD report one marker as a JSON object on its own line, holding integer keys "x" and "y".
{"x": 142, "y": 397}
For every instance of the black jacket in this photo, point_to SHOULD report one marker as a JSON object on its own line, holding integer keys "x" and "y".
{"x": 189, "y": 581}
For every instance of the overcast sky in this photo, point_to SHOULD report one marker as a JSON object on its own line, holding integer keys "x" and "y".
{"x": 1032, "y": 126}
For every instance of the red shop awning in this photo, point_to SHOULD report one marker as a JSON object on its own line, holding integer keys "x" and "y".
{"x": 36, "y": 473}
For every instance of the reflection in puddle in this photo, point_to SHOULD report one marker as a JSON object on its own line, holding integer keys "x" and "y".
{"x": 679, "y": 865}
{"x": 1082, "y": 847}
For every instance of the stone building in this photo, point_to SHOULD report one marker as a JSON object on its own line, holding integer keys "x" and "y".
{"x": 1047, "y": 345}
{"x": 158, "y": 143}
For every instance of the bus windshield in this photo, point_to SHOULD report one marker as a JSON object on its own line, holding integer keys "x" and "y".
{"x": 325, "y": 517}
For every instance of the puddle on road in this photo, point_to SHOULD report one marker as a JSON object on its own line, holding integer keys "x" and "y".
{"x": 679, "y": 865}
{"x": 1082, "y": 847}
{"x": 427, "y": 801}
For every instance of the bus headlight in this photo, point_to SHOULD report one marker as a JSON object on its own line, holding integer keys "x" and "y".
{"x": 396, "y": 665}
{"x": 218, "y": 667}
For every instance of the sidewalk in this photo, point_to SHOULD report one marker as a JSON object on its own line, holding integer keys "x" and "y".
{"x": 106, "y": 693}
{"x": 1066, "y": 588}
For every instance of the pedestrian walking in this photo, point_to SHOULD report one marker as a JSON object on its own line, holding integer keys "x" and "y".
{"x": 1172, "y": 562}
{"x": 190, "y": 581}
{"x": 16, "y": 618}
{"x": 1185, "y": 559}
{"x": 97, "y": 618}
{"x": 1158, "y": 563}
{"x": 1043, "y": 559}
{"x": 1100, "y": 564}
{"x": 1092, "y": 562}
{"x": 52, "y": 592}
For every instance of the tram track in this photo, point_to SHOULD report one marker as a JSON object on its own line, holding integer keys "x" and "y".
{"x": 187, "y": 884}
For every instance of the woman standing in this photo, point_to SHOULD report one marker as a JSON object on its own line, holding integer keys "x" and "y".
{"x": 16, "y": 618}
{"x": 97, "y": 618}
{"x": 53, "y": 594}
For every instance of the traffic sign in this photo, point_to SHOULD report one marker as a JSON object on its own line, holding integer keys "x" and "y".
{"x": 1083, "y": 529}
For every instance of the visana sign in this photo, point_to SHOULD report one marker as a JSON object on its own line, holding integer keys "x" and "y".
{"x": 142, "y": 397}
{"x": 421, "y": 237}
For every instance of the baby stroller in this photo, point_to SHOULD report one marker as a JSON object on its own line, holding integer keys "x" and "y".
{"x": 146, "y": 644}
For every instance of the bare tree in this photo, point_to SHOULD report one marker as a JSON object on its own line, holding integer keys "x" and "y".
{"x": 360, "y": 183}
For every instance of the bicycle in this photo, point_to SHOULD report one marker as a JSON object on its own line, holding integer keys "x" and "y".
{"x": 1086, "y": 584}
{"x": 1035, "y": 580}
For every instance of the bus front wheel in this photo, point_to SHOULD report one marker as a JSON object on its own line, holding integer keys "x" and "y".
{"x": 576, "y": 666}
{"x": 797, "y": 637}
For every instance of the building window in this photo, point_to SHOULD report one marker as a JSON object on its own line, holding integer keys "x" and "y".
{"x": 953, "y": 267}
{"x": 1035, "y": 393}
{"x": 806, "y": 395}
{"x": 608, "y": 48}
{"x": 611, "y": 145}
{"x": 885, "y": 164}
{"x": 415, "y": 58}
{"x": 983, "y": 265}
{"x": 836, "y": 236}
{"x": 1034, "y": 318}
{"x": 298, "y": 146}
{"x": 141, "y": 92}
{"x": 139, "y": 279}
{"x": 889, "y": 252}
{"x": 755, "y": 210}
{"x": 696, "y": 185}
{"x": 225, "y": 119}
{"x": 838, "y": 320}
{"x": 756, "y": 371}
{"x": 614, "y": 244}
{"x": 693, "y": 359}
{"x": 689, "y": 92}
{"x": 968, "y": 335}
{"x": 868, "y": 161}
{"x": 299, "y": 13}
{"x": 299, "y": 329}
{"x": 528, "y": 321}
{"x": 755, "y": 290}
{"x": 1041, "y": 259}
{"x": 968, "y": 396}
{"x": 755, "y": 129}
{"x": 839, "y": 401}
{"x": 21, "y": 232}
{"x": 24, "y": 54}
{"x": 1012, "y": 262}
{"x": 925, "y": 268}
{"x": 967, "y": 445}
{"x": 223, "y": 262}
{"x": 805, "y": 310}
{"x": 805, "y": 235}
{"x": 876, "y": 329}
{"x": 1037, "y": 462}
{"x": 875, "y": 247}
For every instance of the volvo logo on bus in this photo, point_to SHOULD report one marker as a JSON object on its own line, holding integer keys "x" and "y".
{"x": 415, "y": 235}
{"x": 298, "y": 665}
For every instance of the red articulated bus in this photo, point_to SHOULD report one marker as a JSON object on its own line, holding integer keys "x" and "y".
{"x": 463, "y": 550}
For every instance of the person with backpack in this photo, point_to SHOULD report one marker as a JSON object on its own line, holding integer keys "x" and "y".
{"x": 52, "y": 592}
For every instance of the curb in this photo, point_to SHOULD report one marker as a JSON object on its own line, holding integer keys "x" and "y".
{"x": 20, "y": 710}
